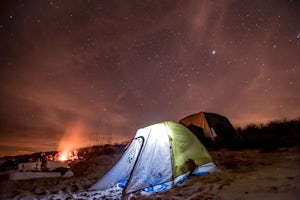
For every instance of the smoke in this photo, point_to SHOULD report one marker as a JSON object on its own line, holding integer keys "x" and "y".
{"x": 72, "y": 138}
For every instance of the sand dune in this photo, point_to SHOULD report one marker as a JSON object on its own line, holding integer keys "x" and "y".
{"x": 246, "y": 174}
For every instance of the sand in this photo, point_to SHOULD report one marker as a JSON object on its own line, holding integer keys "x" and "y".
{"x": 243, "y": 174}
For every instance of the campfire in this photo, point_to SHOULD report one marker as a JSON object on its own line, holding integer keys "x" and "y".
{"x": 63, "y": 155}
{"x": 68, "y": 145}
{"x": 68, "y": 155}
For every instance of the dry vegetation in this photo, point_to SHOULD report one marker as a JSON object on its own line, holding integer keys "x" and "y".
{"x": 264, "y": 165}
{"x": 271, "y": 136}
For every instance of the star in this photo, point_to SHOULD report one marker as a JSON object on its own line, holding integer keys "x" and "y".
{"x": 134, "y": 64}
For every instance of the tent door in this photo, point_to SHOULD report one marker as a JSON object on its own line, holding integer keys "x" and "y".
{"x": 141, "y": 140}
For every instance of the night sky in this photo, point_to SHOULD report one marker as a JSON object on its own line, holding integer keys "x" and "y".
{"x": 99, "y": 70}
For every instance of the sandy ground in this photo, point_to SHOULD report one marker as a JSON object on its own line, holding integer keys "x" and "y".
{"x": 241, "y": 175}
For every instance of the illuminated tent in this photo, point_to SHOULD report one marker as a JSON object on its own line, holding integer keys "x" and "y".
{"x": 159, "y": 155}
{"x": 210, "y": 125}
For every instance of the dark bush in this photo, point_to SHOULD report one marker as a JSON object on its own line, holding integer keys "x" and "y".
{"x": 272, "y": 135}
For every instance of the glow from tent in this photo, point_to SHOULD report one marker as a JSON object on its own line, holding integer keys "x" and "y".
{"x": 169, "y": 131}
{"x": 159, "y": 128}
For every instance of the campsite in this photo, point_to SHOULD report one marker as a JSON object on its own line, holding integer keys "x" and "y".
{"x": 252, "y": 172}
{"x": 149, "y": 99}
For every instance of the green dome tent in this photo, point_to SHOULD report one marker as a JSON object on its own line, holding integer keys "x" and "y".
{"x": 158, "y": 154}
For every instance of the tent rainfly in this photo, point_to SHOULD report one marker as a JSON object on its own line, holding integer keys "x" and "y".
{"x": 159, "y": 155}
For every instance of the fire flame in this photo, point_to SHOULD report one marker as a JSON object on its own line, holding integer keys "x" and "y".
{"x": 63, "y": 156}
{"x": 68, "y": 155}
{"x": 69, "y": 142}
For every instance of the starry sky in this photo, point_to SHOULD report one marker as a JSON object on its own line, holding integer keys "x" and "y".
{"x": 100, "y": 70}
